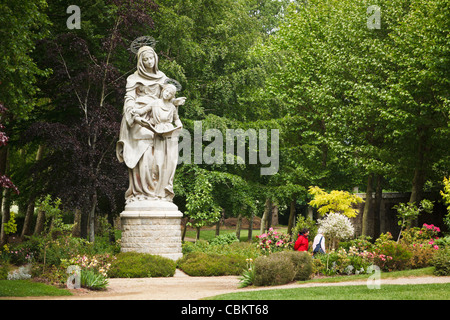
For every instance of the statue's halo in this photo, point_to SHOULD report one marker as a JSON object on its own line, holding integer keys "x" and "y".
{"x": 175, "y": 83}
{"x": 142, "y": 41}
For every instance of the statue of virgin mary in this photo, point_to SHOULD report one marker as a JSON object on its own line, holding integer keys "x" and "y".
{"x": 136, "y": 142}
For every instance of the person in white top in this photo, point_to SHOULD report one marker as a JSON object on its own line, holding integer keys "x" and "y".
{"x": 319, "y": 243}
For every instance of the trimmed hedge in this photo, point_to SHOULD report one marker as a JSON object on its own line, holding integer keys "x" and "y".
{"x": 441, "y": 262}
{"x": 202, "y": 264}
{"x": 141, "y": 265}
{"x": 303, "y": 264}
{"x": 282, "y": 267}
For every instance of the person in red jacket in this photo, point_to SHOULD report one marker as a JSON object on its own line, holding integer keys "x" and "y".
{"x": 302, "y": 241}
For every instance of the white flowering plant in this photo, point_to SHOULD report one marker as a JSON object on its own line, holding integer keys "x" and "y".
{"x": 336, "y": 227}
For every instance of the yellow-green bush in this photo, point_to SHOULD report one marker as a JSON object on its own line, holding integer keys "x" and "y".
{"x": 211, "y": 264}
{"x": 141, "y": 265}
{"x": 274, "y": 269}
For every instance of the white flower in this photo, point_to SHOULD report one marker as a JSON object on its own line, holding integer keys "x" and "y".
{"x": 337, "y": 226}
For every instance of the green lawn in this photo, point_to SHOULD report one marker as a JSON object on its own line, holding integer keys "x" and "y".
{"x": 360, "y": 292}
{"x": 423, "y": 272}
{"x": 28, "y": 288}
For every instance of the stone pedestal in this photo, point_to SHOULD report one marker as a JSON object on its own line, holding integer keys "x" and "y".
{"x": 152, "y": 226}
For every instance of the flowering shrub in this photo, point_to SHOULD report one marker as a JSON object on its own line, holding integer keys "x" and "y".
{"x": 273, "y": 241}
{"x": 432, "y": 228}
{"x": 93, "y": 269}
{"x": 422, "y": 237}
{"x": 97, "y": 263}
{"x": 379, "y": 259}
{"x": 343, "y": 261}
{"x": 336, "y": 226}
{"x": 17, "y": 255}
{"x": 400, "y": 253}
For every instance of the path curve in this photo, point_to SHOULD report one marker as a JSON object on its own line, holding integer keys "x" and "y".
{"x": 184, "y": 287}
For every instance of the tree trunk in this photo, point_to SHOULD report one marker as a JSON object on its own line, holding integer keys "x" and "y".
{"x": 76, "y": 229}
{"x": 6, "y": 215}
{"x": 184, "y": 230}
{"x": 221, "y": 220}
{"x": 377, "y": 207}
{"x": 264, "y": 217}
{"x": 419, "y": 174}
{"x": 238, "y": 226}
{"x": 250, "y": 228}
{"x": 31, "y": 202}
{"x": 291, "y": 216}
{"x": 198, "y": 234}
{"x": 269, "y": 214}
{"x": 28, "y": 218}
{"x": 3, "y": 167}
{"x": 367, "y": 223}
{"x": 92, "y": 217}
{"x": 39, "y": 223}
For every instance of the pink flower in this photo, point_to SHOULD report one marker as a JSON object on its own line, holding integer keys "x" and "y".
{"x": 431, "y": 241}
{"x": 436, "y": 247}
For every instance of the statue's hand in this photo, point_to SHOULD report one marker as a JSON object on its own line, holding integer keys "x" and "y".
{"x": 179, "y": 101}
{"x": 137, "y": 112}
{"x": 141, "y": 121}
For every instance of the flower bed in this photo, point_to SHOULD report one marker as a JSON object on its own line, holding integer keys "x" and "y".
{"x": 273, "y": 241}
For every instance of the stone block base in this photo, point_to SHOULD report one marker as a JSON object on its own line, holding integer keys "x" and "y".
{"x": 152, "y": 227}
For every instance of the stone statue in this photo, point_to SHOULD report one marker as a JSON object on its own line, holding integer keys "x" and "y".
{"x": 148, "y": 141}
{"x": 148, "y": 145}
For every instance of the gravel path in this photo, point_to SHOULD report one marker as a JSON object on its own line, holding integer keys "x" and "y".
{"x": 184, "y": 287}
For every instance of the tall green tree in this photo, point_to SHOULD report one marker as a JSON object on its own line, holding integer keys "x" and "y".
{"x": 21, "y": 25}
{"x": 79, "y": 124}
{"x": 365, "y": 102}
{"x": 207, "y": 47}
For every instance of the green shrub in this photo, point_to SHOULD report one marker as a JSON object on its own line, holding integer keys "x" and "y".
{"x": 303, "y": 264}
{"x": 441, "y": 262}
{"x": 421, "y": 256}
{"x": 4, "y": 270}
{"x": 362, "y": 243}
{"x": 211, "y": 264}
{"x": 302, "y": 223}
{"x": 443, "y": 242}
{"x": 141, "y": 265}
{"x": 242, "y": 249}
{"x": 274, "y": 269}
{"x": 399, "y": 252}
{"x": 223, "y": 239}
